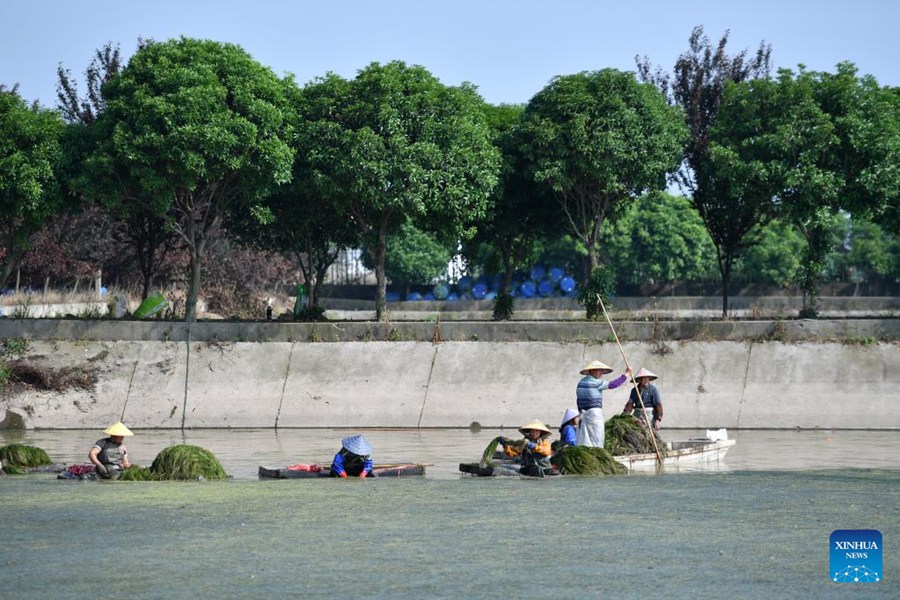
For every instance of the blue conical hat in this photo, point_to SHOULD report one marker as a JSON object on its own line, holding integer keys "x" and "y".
{"x": 357, "y": 444}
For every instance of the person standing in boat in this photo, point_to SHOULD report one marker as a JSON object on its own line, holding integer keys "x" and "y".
{"x": 649, "y": 396}
{"x": 109, "y": 455}
{"x": 590, "y": 402}
{"x": 353, "y": 459}
{"x": 533, "y": 452}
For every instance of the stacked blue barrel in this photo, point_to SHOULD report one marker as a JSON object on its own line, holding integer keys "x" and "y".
{"x": 539, "y": 282}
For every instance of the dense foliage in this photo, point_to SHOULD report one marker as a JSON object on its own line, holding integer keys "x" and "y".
{"x": 191, "y": 166}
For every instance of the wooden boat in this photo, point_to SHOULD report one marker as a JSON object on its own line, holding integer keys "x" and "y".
{"x": 697, "y": 453}
{"x": 694, "y": 453}
{"x": 391, "y": 470}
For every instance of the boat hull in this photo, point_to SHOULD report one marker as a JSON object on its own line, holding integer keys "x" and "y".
{"x": 381, "y": 471}
{"x": 694, "y": 453}
{"x": 689, "y": 454}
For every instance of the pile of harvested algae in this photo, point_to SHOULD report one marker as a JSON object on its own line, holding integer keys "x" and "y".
{"x": 627, "y": 435}
{"x": 180, "y": 463}
{"x": 18, "y": 458}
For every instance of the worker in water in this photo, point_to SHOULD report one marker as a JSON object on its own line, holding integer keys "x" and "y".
{"x": 109, "y": 455}
{"x": 353, "y": 459}
{"x": 533, "y": 451}
{"x": 648, "y": 402}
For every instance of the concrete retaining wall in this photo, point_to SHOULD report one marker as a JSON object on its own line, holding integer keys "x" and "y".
{"x": 704, "y": 384}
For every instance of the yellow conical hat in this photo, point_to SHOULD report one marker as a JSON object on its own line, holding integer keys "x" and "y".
{"x": 596, "y": 364}
{"x": 536, "y": 424}
{"x": 117, "y": 429}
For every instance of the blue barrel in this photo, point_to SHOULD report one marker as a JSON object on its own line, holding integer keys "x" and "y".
{"x": 490, "y": 295}
{"x": 479, "y": 290}
{"x": 557, "y": 273}
{"x": 464, "y": 284}
{"x": 414, "y": 297}
{"x": 440, "y": 291}
{"x": 545, "y": 288}
{"x": 537, "y": 273}
{"x": 527, "y": 289}
{"x": 452, "y": 297}
{"x": 428, "y": 296}
{"x": 566, "y": 284}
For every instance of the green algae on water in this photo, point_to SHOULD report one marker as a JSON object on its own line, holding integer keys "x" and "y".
{"x": 488, "y": 455}
{"x": 186, "y": 463}
{"x": 626, "y": 435}
{"x": 22, "y": 455}
{"x": 585, "y": 460}
{"x": 136, "y": 473}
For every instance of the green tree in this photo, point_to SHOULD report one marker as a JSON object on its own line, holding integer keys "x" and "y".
{"x": 403, "y": 147}
{"x": 142, "y": 230}
{"x": 740, "y": 181}
{"x": 596, "y": 140}
{"x": 826, "y": 142}
{"x": 659, "y": 238}
{"x": 191, "y": 129}
{"x": 507, "y": 239}
{"x": 413, "y": 257}
{"x": 307, "y": 224}
{"x": 774, "y": 259}
{"x": 697, "y": 84}
{"x": 30, "y": 152}
{"x": 866, "y": 253}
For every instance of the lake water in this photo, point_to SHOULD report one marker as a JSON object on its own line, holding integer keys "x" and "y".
{"x": 757, "y": 526}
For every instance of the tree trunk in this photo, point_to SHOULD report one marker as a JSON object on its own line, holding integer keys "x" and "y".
{"x": 145, "y": 288}
{"x": 190, "y": 306}
{"x": 380, "y": 278}
{"x": 98, "y": 283}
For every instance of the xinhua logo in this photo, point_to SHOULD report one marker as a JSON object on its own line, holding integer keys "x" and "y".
{"x": 856, "y": 556}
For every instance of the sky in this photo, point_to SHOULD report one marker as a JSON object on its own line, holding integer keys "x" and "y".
{"x": 510, "y": 49}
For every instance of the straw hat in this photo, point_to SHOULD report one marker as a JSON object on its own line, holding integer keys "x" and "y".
{"x": 571, "y": 413}
{"x": 357, "y": 444}
{"x": 596, "y": 364}
{"x": 645, "y": 373}
{"x": 537, "y": 425}
{"x": 117, "y": 429}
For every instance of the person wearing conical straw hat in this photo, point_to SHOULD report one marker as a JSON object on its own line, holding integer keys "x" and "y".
{"x": 589, "y": 394}
{"x": 354, "y": 458}
{"x": 109, "y": 455}
{"x": 649, "y": 397}
{"x": 533, "y": 451}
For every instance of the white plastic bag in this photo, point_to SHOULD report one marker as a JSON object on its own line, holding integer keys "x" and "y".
{"x": 716, "y": 435}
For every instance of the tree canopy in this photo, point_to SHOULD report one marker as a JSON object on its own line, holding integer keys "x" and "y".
{"x": 597, "y": 139}
{"x": 191, "y": 128}
{"x": 697, "y": 84}
{"x": 403, "y": 146}
{"x": 30, "y": 152}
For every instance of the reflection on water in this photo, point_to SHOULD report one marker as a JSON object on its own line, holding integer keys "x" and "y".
{"x": 758, "y": 528}
{"x": 242, "y": 451}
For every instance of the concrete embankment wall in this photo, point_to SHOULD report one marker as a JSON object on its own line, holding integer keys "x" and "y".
{"x": 149, "y": 380}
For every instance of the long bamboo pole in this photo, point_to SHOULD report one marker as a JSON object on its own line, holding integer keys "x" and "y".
{"x": 659, "y": 460}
